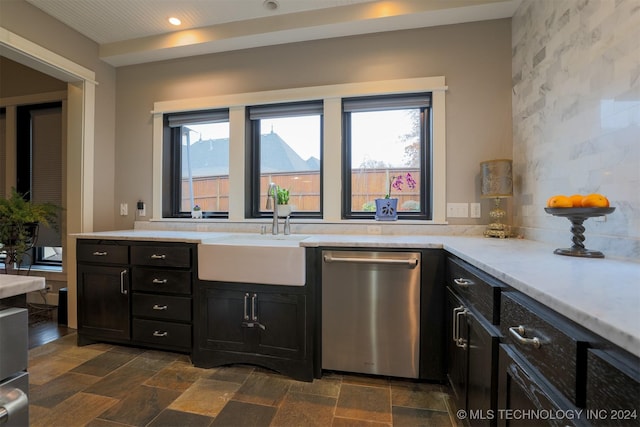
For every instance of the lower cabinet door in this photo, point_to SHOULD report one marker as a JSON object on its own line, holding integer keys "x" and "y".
{"x": 219, "y": 320}
{"x": 280, "y": 324}
{"x": 482, "y": 379}
{"x": 457, "y": 358}
{"x": 473, "y": 361}
{"x": 266, "y": 323}
{"x": 527, "y": 399}
{"x": 104, "y": 302}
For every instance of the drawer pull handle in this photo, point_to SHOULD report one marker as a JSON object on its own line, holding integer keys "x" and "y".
{"x": 98, "y": 253}
{"x": 160, "y": 307}
{"x": 463, "y": 282}
{"x": 159, "y": 281}
{"x": 160, "y": 333}
{"x": 155, "y": 256}
{"x": 517, "y": 332}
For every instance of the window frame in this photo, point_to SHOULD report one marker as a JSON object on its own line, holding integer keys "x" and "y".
{"x": 172, "y": 160}
{"x": 332, "y": 136}
{"x": 426, "y": 164}
{"x": 252, "y": 171}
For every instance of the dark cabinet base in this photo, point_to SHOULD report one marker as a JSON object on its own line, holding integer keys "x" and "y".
{"x": 301, "y": 370}
{"x": 261, "y": 325}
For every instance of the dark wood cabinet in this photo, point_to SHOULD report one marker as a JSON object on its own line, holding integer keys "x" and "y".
{"x": 526, "y": 398}
{"x": 613, "y": 388}
{"x": 472, "y": 368}
{"x": 135, "y": 293}
{"x": 266, "y": 325}
{"x": 103, "y": 302}
{"x": 104, "y": 292}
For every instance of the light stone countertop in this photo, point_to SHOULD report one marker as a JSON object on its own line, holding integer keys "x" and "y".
{"x": 602, "y": 295}
{"x": 12, "y": 285}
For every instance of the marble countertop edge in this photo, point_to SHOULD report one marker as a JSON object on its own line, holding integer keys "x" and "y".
{"x": 602, "y": 295}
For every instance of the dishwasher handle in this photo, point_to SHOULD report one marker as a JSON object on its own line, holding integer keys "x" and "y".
{"x": 411, "y": 262}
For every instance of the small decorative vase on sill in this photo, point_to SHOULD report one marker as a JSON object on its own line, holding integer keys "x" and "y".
{"x": 196, "y": 213}
{"x": 386, "y": 209}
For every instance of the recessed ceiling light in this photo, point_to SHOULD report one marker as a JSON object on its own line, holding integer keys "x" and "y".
{"x": 174, "y": 21}
{"x": 270, "y": 4}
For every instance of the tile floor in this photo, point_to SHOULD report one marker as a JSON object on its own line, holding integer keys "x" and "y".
{"x": 106, "y": 385}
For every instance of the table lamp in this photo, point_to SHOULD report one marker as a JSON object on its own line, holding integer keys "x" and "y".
{"x": 497, "y": 184}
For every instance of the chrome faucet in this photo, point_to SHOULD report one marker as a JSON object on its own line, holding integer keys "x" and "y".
{"x": 272, "y": 203}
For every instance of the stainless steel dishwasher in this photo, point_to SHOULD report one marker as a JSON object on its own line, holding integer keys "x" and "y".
{"x": 371, "y": 312}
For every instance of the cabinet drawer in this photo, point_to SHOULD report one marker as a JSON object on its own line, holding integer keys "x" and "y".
{"x": 162, "y": 307}
{"x": 548, "y": 341}
{"x": 162, "y": 256}
{"x": 476, "y": 287}
{"x": 102, "y": 253}
{"x": 165, "y": 334}
{"x": 158, "y": 280}
{"x": 613, "y": 388}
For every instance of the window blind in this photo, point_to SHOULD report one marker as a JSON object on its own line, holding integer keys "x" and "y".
{"x": 46, "y": 166}
{"x": 273, "y": 111}
{"x": 391, "y": 102}
{"x": 197, "y": 117}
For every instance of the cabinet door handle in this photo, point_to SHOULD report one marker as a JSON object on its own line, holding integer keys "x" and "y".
{"x": 160, "y": 333}
{"x": 462, "y": 282}
{"x": 246, "y": 311}
{"x": 460, "y": 311}
{"x": 517, "y": 332}
{"x": 99, "y": 253}
{"x": 254, "y": 298}
{"x": 123, "y": 291}
{"x": 160, "y": 307}
{"x": 159, "y": 281}
{"x": 156, "y": 256}
{"x": 454, "y": 328}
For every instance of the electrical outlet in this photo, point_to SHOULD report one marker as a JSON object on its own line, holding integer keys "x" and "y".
{"x": 124, "y": 209}
{"x": 475, "y": 210}
{"x": 458, "y": 210}
{"x": 142, "y": 209}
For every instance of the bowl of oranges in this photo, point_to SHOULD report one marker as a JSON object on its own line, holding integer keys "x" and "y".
{"x": 577, "y": 208}
{"x": 585, "y": 206}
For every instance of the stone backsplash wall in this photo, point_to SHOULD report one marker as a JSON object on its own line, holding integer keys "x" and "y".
{"x": 576, "y": 117}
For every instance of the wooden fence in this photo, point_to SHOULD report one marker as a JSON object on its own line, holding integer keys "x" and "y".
{"x": 212, "y": 192}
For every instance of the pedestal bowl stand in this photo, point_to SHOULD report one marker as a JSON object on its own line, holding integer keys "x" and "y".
{"x": 577, "y": 216}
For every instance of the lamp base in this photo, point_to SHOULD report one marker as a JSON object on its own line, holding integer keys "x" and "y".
{"x": 501, "y": 233}
{"x": 497, "y": 228}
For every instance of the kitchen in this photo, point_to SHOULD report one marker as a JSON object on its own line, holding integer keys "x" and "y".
{"x": 490, "y": 74}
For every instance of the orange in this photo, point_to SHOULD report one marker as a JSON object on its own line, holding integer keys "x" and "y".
{"x": 595, "y": 201}
{"x": 576, "y": 200}
{"x": 559, "y": 201}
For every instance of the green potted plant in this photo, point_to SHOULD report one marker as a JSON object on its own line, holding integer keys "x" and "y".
{"x": 19, "y": 222}
{"x": 282, "y": 200}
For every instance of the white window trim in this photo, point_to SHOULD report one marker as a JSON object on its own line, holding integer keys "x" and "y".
{"x": 332, "y": 96}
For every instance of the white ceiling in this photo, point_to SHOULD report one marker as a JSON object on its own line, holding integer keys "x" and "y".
{"x": 137, "y": 31}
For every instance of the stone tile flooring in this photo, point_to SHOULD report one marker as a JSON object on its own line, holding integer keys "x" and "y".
{"x": 104, "y": 385}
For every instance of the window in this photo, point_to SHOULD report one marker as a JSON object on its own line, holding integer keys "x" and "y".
{"x": 285, "y": 143}
{"x": 196, "y": 163}
{"x": 386, "y": 137}
{"x": 39, "y": 171}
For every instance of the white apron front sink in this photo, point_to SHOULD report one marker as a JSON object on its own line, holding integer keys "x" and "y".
{"x": 260, "y": 258}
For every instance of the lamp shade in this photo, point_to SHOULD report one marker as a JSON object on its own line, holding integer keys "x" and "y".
{"x": 497, "y": 180}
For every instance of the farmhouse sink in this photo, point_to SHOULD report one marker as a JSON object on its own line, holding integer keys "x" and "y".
{"x": 253, "y": 258}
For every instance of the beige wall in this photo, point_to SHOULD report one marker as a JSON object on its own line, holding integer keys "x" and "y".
{"x": 475, "y": 58}
{"x": 21, "y": 18}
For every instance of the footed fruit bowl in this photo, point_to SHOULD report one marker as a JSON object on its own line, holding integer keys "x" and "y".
{"x": 577, "y": 216}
